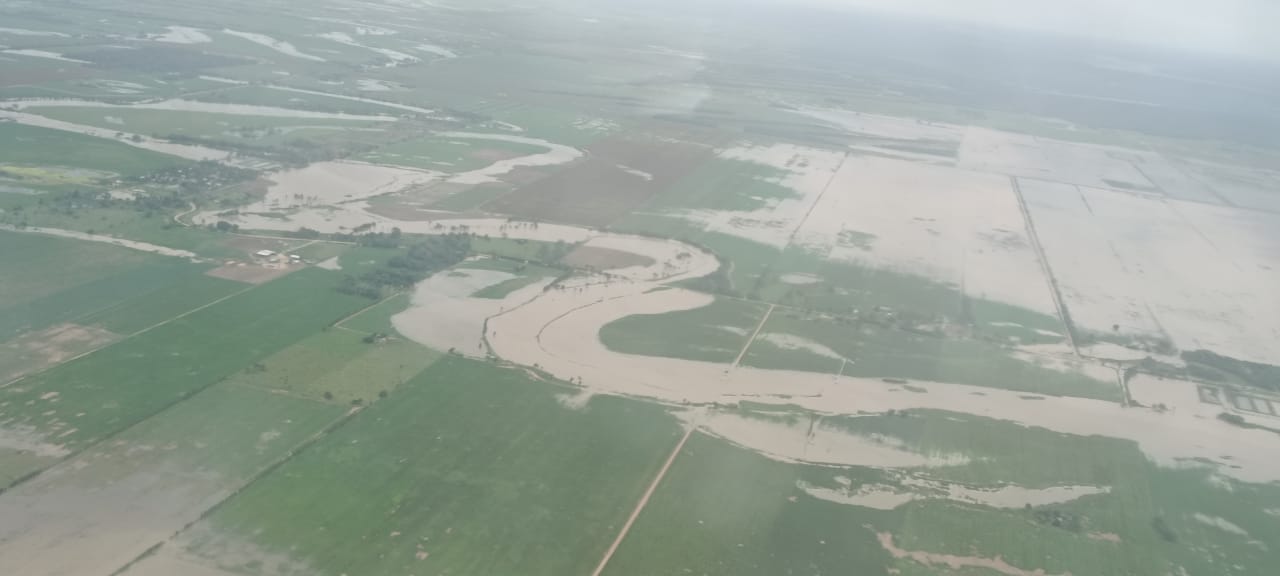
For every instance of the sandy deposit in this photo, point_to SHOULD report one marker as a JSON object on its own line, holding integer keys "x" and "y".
{"x": 793, "y": 342}
{"x": 954, "y": 226}
{"x": 277, "y": 45}
{"x": 180, "y": 150}
{"x": 445, "y": 317}
{"x": 132, "y": 245}
{"x": 807, "y": 172}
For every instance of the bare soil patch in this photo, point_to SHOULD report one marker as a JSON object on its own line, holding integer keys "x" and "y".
{"x": 598, "y": 258}
{"x": 38, "y": 350}
{"x": 598, "y": 190}
{"x": 249, "y": 273}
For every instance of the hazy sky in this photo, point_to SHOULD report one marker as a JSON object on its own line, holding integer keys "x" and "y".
{"x": 1249, "y": 27}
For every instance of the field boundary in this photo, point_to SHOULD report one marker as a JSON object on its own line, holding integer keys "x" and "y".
{"x": 752, "y": 339}
{"x": 1052, "y": 281}
{"x": 644, "y": 499}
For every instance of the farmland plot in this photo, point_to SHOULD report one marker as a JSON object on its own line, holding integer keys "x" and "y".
{"x": 952, "y": 226}
{"x": 1195, "y": 273}
{"x": 618, "y": 175}
{"x": 79, "y": 403}
{"x": 1093, "y": 278}
{"x": 1054, "y": 160}
{"x": 477, "y": 470}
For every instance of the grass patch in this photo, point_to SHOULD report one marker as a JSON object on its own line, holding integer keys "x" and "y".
{"x": 714, "y": 333}
{"x": 377, "y": 318}
{"x": 476, "y": 466}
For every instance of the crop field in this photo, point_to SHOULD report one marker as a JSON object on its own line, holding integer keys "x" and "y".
{"x": 114, "y": 501}
{"x": 76, "y": 404}
{"x": 339, "y": 366}
{"x": 462, "y": 482}
{"x": 714, "y": 333}
{"x": 618, "y": 175}
{"x": 30, "y": 145}
{"x": 1137, "y": 281}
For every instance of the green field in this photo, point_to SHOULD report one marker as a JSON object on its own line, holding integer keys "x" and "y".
{"x": 86, "y": 283}
{"x": 477, "y": 467}
{"x": 449, "y": 154}
{"x": 48, "y": 263}
{"x": 876, "y": 350}
{"x": 339, "y": 366}
{"x": 84, "y": 401}
{"x": 713, "y": 333}
{"x": 30, "y": 145}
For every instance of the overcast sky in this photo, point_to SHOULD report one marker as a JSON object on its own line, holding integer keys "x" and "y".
{"x": 1248, "y": 27}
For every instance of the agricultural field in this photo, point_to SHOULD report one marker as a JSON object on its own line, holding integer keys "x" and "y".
{"x": 567, "y": 288}
{"x": 475, "y": 493}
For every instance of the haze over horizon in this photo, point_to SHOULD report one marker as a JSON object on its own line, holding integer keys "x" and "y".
{"x": 1228, "y": 27}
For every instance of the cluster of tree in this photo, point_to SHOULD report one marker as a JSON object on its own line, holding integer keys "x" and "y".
{"x": 1069, "y": 521}
{"x": 404, "y": 270}
{"x": 294, "y": 153}
{"x": 196, "y": 177}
